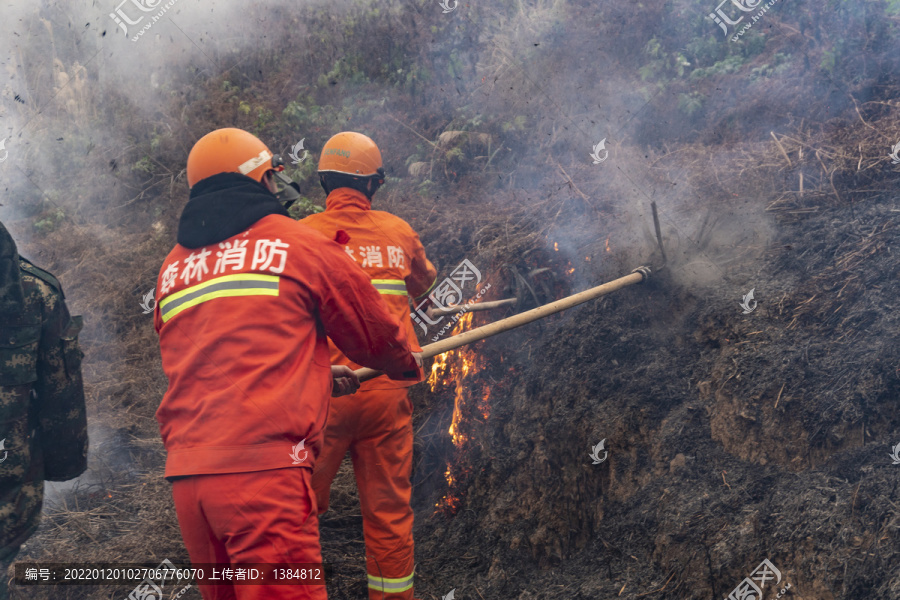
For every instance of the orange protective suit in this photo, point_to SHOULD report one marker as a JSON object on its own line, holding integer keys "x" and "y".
{"x": 243, "y": 518}
{"x": 375, "y": 424}
{"x": 244, "y": 304}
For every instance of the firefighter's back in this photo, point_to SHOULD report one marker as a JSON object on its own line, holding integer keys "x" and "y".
{"x": 389, "y": 252}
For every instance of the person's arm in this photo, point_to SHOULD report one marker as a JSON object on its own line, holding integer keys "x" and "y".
{"x": 345, "y": 381}
{"x": 356, "y": 318}
{"x": 422, "y": 275}
{"x": 61, "y": 411}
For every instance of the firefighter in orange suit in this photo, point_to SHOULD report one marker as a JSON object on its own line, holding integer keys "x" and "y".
{"x": 376, "y": 423}
{"x": 244, "y": 303}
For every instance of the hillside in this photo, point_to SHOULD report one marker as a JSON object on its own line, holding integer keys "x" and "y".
{"x": 732, "y": 436}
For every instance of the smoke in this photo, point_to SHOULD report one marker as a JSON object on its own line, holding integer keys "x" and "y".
{"x": 91, "y": 89}
{"x": 567, "y": 92}
{"x": 109, "y": 463}
{"x": 68, "y": 67}
{"x": 73, "y": 87}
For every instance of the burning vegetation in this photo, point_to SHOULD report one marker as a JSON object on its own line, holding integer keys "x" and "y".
{"x": 458, "y": 371}
{"x": 732, "y": 436}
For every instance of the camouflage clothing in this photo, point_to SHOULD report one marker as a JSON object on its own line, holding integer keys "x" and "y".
{"x": 42, "y": 415}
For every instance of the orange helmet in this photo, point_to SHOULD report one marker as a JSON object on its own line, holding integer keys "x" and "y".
{"x": 230, "y": 150}
{"x": 351, "y": 153}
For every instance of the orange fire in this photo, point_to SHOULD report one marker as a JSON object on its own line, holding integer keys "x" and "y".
{"x": 467, "y": 362}
{"x": 484, "y": 405}
{"x": 555, "y": 247}
{"x": 452, "y": 368}
{"x": 607, "y": 244}
{"x": 449, "y": 503}
{"x": 438, "y": 368}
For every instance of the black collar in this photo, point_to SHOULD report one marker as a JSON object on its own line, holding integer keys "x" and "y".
{"x": 222, "y": 206}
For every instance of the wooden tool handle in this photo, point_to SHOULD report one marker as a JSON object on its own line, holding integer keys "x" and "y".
{"x": 485, "y": 331}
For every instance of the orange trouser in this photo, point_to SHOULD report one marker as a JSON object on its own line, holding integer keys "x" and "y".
{"x": 259, "y": 517}
{"x": 376, "y": 426}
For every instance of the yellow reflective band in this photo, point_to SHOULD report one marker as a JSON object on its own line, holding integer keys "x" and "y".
{"x": 244, "y": 284}
{"x": 392, "y": 287}
{"x": 391, "y": 586}
{"x": 430, "y": 287}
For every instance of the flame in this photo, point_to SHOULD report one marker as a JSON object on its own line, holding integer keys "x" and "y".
{"x": 484, "y": 405}
{"x": 449, "y": 502}
{"x": 570, "y": 271}
{"x": 555, "y": 247}
{"x": 467, "y": 362}
{"x": 452, "y": 369}
{"x": 466, "y": 321}
{"x": 607, "y": 244}
{"x": 438, "y": 368}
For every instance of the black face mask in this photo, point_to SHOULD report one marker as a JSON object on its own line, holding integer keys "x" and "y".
{"x": 367, "y": 185}
{"x": 288, "y": 191}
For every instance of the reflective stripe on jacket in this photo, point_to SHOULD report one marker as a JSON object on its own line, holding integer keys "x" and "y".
{"x": 242, "y": 326}
{"x": 389, "y": 252}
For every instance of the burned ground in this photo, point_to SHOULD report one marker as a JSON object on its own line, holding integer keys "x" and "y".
{"x": 731, "y": 437}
